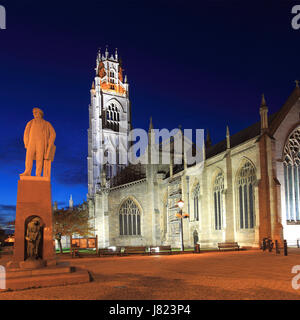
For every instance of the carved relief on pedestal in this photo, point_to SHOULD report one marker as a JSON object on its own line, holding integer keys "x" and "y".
{"x": 33, "y": 238}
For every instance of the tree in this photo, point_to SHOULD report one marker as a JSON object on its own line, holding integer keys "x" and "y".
{"x": 2, "y": 236}
{"x": 71, "y": 221}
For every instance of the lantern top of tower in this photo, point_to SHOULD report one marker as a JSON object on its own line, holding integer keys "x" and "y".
{"x": 107, "y": 57}
{"x": 109, "y": 70}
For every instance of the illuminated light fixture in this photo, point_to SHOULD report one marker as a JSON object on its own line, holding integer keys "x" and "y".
{"x": 180, "y": 204}
{"x": 180, "y": 215}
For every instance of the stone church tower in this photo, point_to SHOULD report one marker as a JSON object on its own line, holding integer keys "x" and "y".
{"x": 109, "y": 122}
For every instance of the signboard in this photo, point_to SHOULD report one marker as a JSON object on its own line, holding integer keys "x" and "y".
{"x": 84, "y": 243}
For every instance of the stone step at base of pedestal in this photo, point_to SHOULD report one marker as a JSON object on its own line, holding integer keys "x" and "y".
{"x": 17, "y": 273}
{"x": 50, "y": 279}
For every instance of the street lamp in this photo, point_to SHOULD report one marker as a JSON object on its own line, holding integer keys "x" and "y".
{"x": 181, "y": 216}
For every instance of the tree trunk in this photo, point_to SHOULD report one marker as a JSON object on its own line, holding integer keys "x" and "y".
{"x": 60, "y": 246}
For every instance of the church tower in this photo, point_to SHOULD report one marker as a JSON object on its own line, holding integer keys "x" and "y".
{"x": 109, "y": 121}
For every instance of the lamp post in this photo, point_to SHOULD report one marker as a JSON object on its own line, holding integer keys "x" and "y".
{"x": 181, "y": 216}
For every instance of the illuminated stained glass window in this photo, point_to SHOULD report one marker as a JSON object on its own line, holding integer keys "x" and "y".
{"x": 129, "y": 219}
{"x": 291, "y": 164}
{"x": 218, "y": 200}
{"x": 246, "y": 178}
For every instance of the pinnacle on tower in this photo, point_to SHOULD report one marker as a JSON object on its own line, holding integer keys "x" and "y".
{"x": 263, "y": 101}
{"x": 263, "y": 110}
{"x": 116, "y": 54}
{"x": 227, "y": 137}
{"x": 93, "y": 85}
{"x": 297, "y": 83}
{"x": 106, "y": 52}
{"x": 151, "y": 140}
{"x": 208, "y": 142}
{"x": 71, "y": 202}
{"x": 150, "y": 124}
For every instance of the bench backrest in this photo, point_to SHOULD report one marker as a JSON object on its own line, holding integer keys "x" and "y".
{"x": 227, "y": 244}
{"x": 165, "y": 248}
{"x": 135, "y": 248}
{"x": 118, "y": 249}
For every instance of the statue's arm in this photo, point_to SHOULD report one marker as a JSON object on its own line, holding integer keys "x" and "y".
{"x": 26, "y": 134}
{"x": 52, "y": 135}
{"x": 51, "y": 139}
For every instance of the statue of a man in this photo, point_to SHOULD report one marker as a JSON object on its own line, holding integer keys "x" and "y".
{"x": 39, "y": 137}
{"x": 33, "y": 237}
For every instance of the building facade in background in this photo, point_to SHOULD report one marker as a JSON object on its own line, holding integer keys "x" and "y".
{"x": 247, "y": 188}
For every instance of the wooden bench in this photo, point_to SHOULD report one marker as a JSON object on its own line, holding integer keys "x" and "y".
{"x": 228, "y": 245}
{"x": 135, "y": 250}
{"x": 109, "y": 252}
{"x": 161, "y": 250}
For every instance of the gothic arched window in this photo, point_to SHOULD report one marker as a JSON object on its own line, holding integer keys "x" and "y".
{"x": 291, "y": 164}
{"x": 196, "y": 202}
{"x": 129, "y": 219}
{"x": 246, "y": 178}
{"x": 218, "y": 200}
{"x": 113, "y": 115}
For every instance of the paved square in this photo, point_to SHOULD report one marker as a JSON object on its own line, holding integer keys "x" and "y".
{"x": 249, "y": 274}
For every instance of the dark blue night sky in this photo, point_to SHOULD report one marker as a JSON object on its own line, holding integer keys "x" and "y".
{"x": 201, "y": 64}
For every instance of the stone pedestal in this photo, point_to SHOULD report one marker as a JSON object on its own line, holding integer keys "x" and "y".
{"x": 33, "y": 200}
{"x": 19, "y": 279}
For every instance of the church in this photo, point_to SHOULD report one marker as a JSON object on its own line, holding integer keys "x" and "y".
{"x": 246, "y": 188}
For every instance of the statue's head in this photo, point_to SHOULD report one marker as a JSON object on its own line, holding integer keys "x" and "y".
{"x": 38, "y": 113}
{"x": 36, "y": 221}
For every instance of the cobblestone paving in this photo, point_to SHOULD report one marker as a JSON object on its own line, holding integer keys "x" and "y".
{"x": 221, "y": 275}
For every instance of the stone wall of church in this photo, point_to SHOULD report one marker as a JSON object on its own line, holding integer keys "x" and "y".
{"x": 156, "y": 200}
{"x": 229, "y": 164}
{"x": 139, "y": 192}
{"x": 291, "y": 122}
{"x": 159, "y": 225}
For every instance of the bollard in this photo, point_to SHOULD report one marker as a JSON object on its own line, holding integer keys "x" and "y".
{"x": 197, "y": 248}
{"x": 277, "y": 247}
{"x": 264, "y": 244}
{"x": 285, "y": 248}
{"x": 270, "y": 245}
